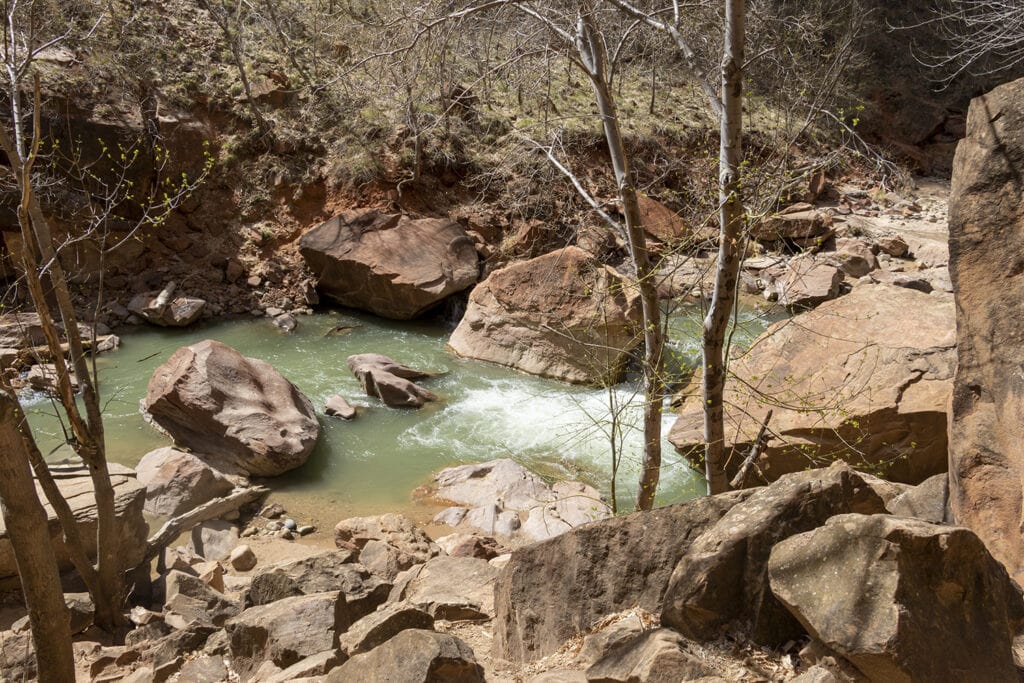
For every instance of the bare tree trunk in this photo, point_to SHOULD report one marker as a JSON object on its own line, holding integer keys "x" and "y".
{"x": 591, "y": 49}
{"x": 716, "y": 323}
{"x": 88, "y": 432}
{"x": 27, "y": 526}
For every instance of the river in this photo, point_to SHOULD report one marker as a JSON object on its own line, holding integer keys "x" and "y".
{"x": 373, "y": 463}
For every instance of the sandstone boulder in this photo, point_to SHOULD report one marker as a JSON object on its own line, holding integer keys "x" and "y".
{"x": 320, "y": 573}
{"x": 391, "y": 542}
{"x": 658, "y": 656}
{"x": 413, "y": 656}
{"x": 720, "y": 583}
{"x": 164, "y": 309}
{"x": 808, "y": 282}
{"x": 903, "y": 600}
{"x": 451, "y": 588}
{"x": 552, "y": 591}
{"x": 389, "y": 381}
{"x": 800, "y": 222}
{"x": 986, "y": 239}
{"x": 237, "y": 412}
{"x": 287, "y": 631}
{"x": 927, "y": 501}
{"x": 562, "y": 315}
{"x": 380, "y": 626}
{"x": 503, "y": 497}
{"x": 176, "y": 481}
{"x": 76, "y": 487}
{"x": 865, "y": 378}
{"x": 662, "y": 223}
{"x": 391, "y": 265}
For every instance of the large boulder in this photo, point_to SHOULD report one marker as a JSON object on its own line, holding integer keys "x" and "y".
{"x": 320, "y": 573}
{"x": 413, "y": 656}
{"x": 160, "y": 309}
{"x": 389, "y": 381}
{"x": 865, "y": 378}
{"x": 177, "y": 482}
{"x": 452, "y": 588}
{"x": 563, "y": 315}
{"x": 720, "y": 583}
{"x": 387, "y": 264}
{"x": 287, "y": 631}
{"x": 552, "y": 591}
{"x": 76, "y": 487}
{"x": 237, "y": 412}
{"x": 807, "y": 283}
{"x": 986, "y": 240}
{"x": 902, "y": 599}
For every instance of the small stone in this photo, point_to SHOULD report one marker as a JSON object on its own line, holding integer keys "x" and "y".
{"x": 253, "y": 281}
{"x": 272, "y": 511}
{"x": 285, "y": 534}
{"x": 306, "y": 529}
{"x": 290, "y": 525}
{"x": 242, "y": 558}
{"x": 249, "y": 531}
{"x": 274, "y": 526}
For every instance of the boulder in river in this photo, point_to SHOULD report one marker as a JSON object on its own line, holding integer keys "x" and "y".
{"x": 389, "y": 264}
{"x": 164, "y": 309}
{"x": 563, "y": 315}
{"x": 864, "y": 378}
{"x": 390, "y": 381}
{"x": 986, "y": 243}
{"x": 236, "y": 412}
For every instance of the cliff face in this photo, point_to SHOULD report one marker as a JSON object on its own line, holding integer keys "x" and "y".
{"x": 986, "y": 243}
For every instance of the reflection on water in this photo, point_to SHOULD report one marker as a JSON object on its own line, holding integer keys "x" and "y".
{"x": 372, "y": 464}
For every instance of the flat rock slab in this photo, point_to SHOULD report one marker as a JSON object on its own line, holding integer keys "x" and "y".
{"x": 76, "y": 486}
{"x": 866, "y": 378}
{"x": 451, "y": 588}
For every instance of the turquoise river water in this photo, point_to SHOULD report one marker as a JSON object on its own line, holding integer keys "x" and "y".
{"x": 372, "y": 464}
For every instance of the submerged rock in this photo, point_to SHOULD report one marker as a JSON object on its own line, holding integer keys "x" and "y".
{"x": 388, "y": 264}
{"x": 233, "y": 411}
{"x": 563, "y": 315}
{"x": 390, "y": 381}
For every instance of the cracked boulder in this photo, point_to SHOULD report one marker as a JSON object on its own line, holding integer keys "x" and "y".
{"x": 389, "y": 264}
{"x": 865, "y": 378}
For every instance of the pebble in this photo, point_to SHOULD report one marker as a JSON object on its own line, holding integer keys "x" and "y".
{"x": 285, "y": 534}
{"x": 274, "y": 526}
{"x": 306, "y": 529}
{"x": 290, "y": 524}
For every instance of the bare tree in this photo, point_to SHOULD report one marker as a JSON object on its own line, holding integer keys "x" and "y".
{"x": 21, "y": 139}
{"x": 976, "y": 37}
{"x": 27, "y": 526}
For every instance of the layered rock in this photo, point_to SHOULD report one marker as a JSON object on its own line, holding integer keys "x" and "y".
{"x": 237, "y": 412}
{"x": 562, "y": 315}
{"x": 903, "y": 600}
{"x": 550, "y": 592}
{"x": 808, "y": 282}
{"x": 503, "y": 497}
{"x": 391, "y": 265}
{"x": 413, "y": 656}
{"x": 451, "y": 588}
{"x": 986, "y": 240}
{"x": 76, "y": 487}
{"x": 389, "y": 381}
{"x": 177, "y": 482}
{"x": 865, "y": 378}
